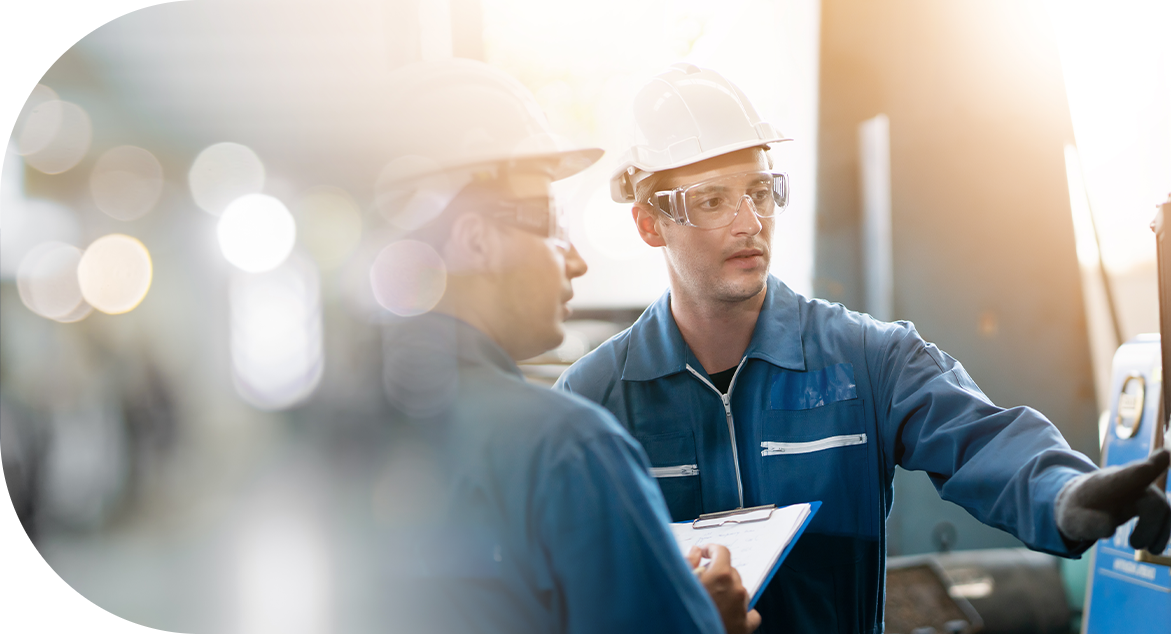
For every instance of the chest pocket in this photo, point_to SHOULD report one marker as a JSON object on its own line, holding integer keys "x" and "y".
{"x": 675, "y": 468}
{"x": 815, "y": 445}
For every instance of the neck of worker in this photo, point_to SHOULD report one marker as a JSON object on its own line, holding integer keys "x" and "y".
{"x": 717, "y": 331}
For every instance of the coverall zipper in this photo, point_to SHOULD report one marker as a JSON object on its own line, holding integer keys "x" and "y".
{"x": 769, "y": 448}
{"x": 726, "y": 399}
{"x": 679, "y": 471}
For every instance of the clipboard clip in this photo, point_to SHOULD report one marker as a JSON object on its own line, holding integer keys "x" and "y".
{"x": 735, "y": 516}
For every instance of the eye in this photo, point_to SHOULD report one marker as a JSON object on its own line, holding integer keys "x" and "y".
{"x": 760, "y": 194}
{"x": 709, "y": 203}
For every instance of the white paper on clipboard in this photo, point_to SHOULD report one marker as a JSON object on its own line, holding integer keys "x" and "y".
{"x": 754, "y": 546}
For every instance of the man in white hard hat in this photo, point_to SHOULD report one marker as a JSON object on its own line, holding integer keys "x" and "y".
{"x": 745, "y": 393}
{"x": 536, "y": 510}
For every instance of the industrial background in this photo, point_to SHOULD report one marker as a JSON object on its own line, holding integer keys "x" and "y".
{"x": 987, "y": 170}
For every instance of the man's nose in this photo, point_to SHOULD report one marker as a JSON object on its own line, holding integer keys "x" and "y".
{"x": 746, "y": 221}
{"x": 575, "y": 265}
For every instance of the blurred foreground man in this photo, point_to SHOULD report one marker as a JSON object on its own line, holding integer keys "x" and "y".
{"x": 536, "y": 510}
{"x": 743, "y": 392}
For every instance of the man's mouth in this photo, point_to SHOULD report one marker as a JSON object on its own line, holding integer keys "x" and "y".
{"x": 746, "y": 257}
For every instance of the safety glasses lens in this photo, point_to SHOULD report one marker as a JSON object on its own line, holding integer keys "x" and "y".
{"x": 714, "y": 203}
{"x": 542, "y": 216}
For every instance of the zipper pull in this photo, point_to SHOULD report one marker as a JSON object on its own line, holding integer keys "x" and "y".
{"x": 727, "y": 404}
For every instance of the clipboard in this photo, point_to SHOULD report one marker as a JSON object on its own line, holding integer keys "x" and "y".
{"x": 759, "y": 539}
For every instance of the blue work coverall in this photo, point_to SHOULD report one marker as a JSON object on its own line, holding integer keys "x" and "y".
{"x": 549, "y": 520}
{"x": 823, "y": 405}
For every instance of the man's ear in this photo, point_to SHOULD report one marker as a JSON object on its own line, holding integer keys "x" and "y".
{"x": 472, "y": 245}
{"x": 647, "y": 222}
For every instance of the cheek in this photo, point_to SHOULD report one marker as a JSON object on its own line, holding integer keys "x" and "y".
{"x": 694, "y": 252}
{"x": 767, "y": 227}
{"x": 541, "y": 279}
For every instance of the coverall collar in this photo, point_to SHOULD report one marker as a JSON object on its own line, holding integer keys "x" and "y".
{"x": 435, "y": 333}
{"x": 657, "y": 348}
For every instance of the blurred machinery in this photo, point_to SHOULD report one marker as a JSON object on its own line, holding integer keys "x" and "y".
{"x": 1130, "y": 591}
{"x": 998, "y": 591}
{"x": 22, "y": 459}
{"x": 919, "y": 600}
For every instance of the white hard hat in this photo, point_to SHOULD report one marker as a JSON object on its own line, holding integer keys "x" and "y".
{"x": 685, "y": 115}
{"x": 461, "y": 113}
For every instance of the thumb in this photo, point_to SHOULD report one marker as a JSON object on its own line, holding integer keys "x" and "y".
{"x": 720, "y": 557}
{"x": 752, "y": 621}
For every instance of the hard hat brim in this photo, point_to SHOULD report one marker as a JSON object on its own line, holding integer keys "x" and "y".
{"x": 622, "y": 189}
{"x": 571, "y": 162}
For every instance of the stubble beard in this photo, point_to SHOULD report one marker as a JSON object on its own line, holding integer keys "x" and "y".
{"x": 719, "y": 289}
{"x": 735, "y": 292}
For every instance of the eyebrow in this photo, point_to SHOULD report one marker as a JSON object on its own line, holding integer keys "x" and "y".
{"x": 710, "y": 189}
{"x": 757, "y": 182}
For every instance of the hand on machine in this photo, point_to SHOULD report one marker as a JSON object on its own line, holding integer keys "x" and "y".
{"x": 723, "y": 583}
{"x": 1094, "y": 505}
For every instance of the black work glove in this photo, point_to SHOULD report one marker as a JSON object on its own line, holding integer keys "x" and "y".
{"x": 1093, "y": 505}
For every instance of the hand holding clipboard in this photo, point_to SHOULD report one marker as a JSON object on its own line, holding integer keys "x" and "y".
{"x": 758, "y": 539}
{"x": 725, "y": 587}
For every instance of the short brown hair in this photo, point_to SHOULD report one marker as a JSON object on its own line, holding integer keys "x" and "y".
{"x": 647, "y": 186}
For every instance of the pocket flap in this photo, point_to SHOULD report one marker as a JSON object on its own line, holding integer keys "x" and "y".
{"x": 675, "y": 449}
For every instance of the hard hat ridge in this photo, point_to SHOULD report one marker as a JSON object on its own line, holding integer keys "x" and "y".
{"x": 452, "y": 121}
{"x": 684, "y": 115}
{"x": 461, "y": 113}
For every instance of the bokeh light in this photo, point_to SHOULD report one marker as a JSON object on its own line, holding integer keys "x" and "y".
{"x": 115, "y": 273}
{"x": 223, "y": 173}
{"x": 256, "y": 233}
{"x": 43, "y": 109}
{"x": 331, "y": 224}
{"x": 48, "y": 284}
{"x": 28, "y": 223}
{"x": 126, "y": 182}
{"x": 55, "y": 136}
{"x": 41, "y": 127}
{"x": 12, "y": 203}
{"x": 408, "y": 278}
{"x": 276, "y": 336}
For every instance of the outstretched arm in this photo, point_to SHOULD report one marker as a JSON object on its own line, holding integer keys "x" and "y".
{"x": 1004, "y": 466}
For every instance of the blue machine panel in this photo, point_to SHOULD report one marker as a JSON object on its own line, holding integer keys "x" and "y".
{"x": 1126, "y": 596}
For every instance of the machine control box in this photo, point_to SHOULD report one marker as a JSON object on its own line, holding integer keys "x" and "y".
{"x": 1128, "y": 594}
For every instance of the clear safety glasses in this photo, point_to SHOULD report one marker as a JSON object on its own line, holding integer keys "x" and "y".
{"x": 714, "y": 203}
{"x": 541, "y": 216}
